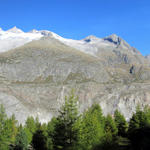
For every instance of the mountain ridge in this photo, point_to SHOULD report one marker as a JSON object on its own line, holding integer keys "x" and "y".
{"x": 36, "y": 76}
{"x": 35, "y": 35}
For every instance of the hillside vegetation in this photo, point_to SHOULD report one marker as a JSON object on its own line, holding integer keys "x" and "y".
{"x": 70, "y": 130}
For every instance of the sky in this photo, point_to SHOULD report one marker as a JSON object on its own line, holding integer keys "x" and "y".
{"x": 76, "y": 19}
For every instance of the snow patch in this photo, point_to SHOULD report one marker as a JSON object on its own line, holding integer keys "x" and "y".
{"x": 15, "y": 37}
{"x": 88, "y": 45}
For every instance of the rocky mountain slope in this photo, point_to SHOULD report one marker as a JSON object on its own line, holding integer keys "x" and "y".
{"x": 38, "y": 72}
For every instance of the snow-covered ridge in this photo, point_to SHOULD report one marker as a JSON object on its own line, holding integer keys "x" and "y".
{"x": 88, "y": 45}
{"x": 15, "y": 37}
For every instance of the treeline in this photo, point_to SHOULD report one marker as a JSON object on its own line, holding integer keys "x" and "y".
{"x": 73, "y": 131}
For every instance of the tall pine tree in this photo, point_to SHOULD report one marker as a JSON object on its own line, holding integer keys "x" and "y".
{"x": 65, "y": 133}
{"x": 92, "y": 128}
{"x": 121, "y": 123}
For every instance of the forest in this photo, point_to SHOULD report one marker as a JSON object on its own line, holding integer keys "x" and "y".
{"x": 72, "y": 130}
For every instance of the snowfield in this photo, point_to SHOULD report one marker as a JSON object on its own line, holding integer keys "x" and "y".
{"x": 15, "y": 37}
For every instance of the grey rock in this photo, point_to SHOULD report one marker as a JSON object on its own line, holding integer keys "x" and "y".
{"x": 35, "y": 78}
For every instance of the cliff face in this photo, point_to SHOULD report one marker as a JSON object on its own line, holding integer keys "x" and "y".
{"x": 35, "y": 77}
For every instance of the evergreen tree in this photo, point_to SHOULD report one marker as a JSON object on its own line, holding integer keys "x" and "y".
{"x": 21, "y": 140}
{"x": 65, "y": 134}
{"x": 92, "y": 128}
{"x": 29, "y": 135}
{"x": 48, "y": 137}
{"x": 51, "y": 126}
{"x": 138, "y": 120}
{"x": 110, "y": 137}
{"x": 147, "y": 113}
{"x": 4, "y": 141}
{"x": 13, "y": 127}
{"x": 110, "y": 126}
{"x": 8, "y": 129}
{"x": 31, "y": 126}
{"x": 39, "y": 140}
{"x": 50, "y": 131}
{"x": 121, "y": 123}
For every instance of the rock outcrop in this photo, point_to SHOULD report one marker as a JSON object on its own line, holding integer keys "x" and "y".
{"x": 35, "y": 77}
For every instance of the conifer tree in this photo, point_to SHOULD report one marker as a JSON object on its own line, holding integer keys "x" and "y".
{"x": 31, "y": 126}
{"x": 50, "y": 131}
{"x": 8, "y": 129}
{"x": 111, "y": 130}
{"x": 39, "y": 140}
{"x": 138, "y": 120}
{"x": 110, "y": 125}
{"x": 21, "y": 140}
{"x": 92, "y": 128}
{"x": 121, "y": 123}
{"x": 147, "y": 113}
{"x": 4, "y": 142}
{"x": 65, "y": 134}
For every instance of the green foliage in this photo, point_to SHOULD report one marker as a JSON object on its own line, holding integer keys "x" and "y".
{"x": 92, "y": 128}
{"x": 138, "y": 120}
{"x": 4, "y": 141}
{"x": 109, "y": 139}
{"x": 65, "y": 134}
{"x": 71, "y": 131}
{"x": 31, "y": 126}
{"x": 8, "y": 129}
{"x": 29, "y": 135}
{"x": 110, "y": 126}
{"x": 147, "y": 113}
{"x": 121, "y": 123}
{"x": 21, "y": 140}
{"x": 51, "y": 126}
{"x": 39, "y": 141}
{"x": 139, "y": 129}
{"x": 48, "y": 138}
{"x": 50, "y": 131}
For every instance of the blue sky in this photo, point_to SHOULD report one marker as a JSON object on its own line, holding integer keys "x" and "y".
{"x": 130, "y": 19}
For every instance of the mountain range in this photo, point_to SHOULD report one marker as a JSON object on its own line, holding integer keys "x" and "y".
{"x": 38, "y": 68}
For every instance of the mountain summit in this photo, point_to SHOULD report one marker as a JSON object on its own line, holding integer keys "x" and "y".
{"x": 38, "y": 68}
{"x": 91, "y": 38}
{"x": 15, "y": 30}
{"x": 91, "y": 44}
{"x": 113, "y": 38}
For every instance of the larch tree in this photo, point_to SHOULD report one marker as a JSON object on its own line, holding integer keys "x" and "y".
{"x": 65, "y": 133}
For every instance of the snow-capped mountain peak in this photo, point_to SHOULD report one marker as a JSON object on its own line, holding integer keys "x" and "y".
{"x": 15, "y": 30}
{"x": 118, "y": 41}
{"x": 113, "y": 38}
{"x": 15, "y": 37}
{"x": 91, "y": 38}
{"x": 33, "y": 31}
